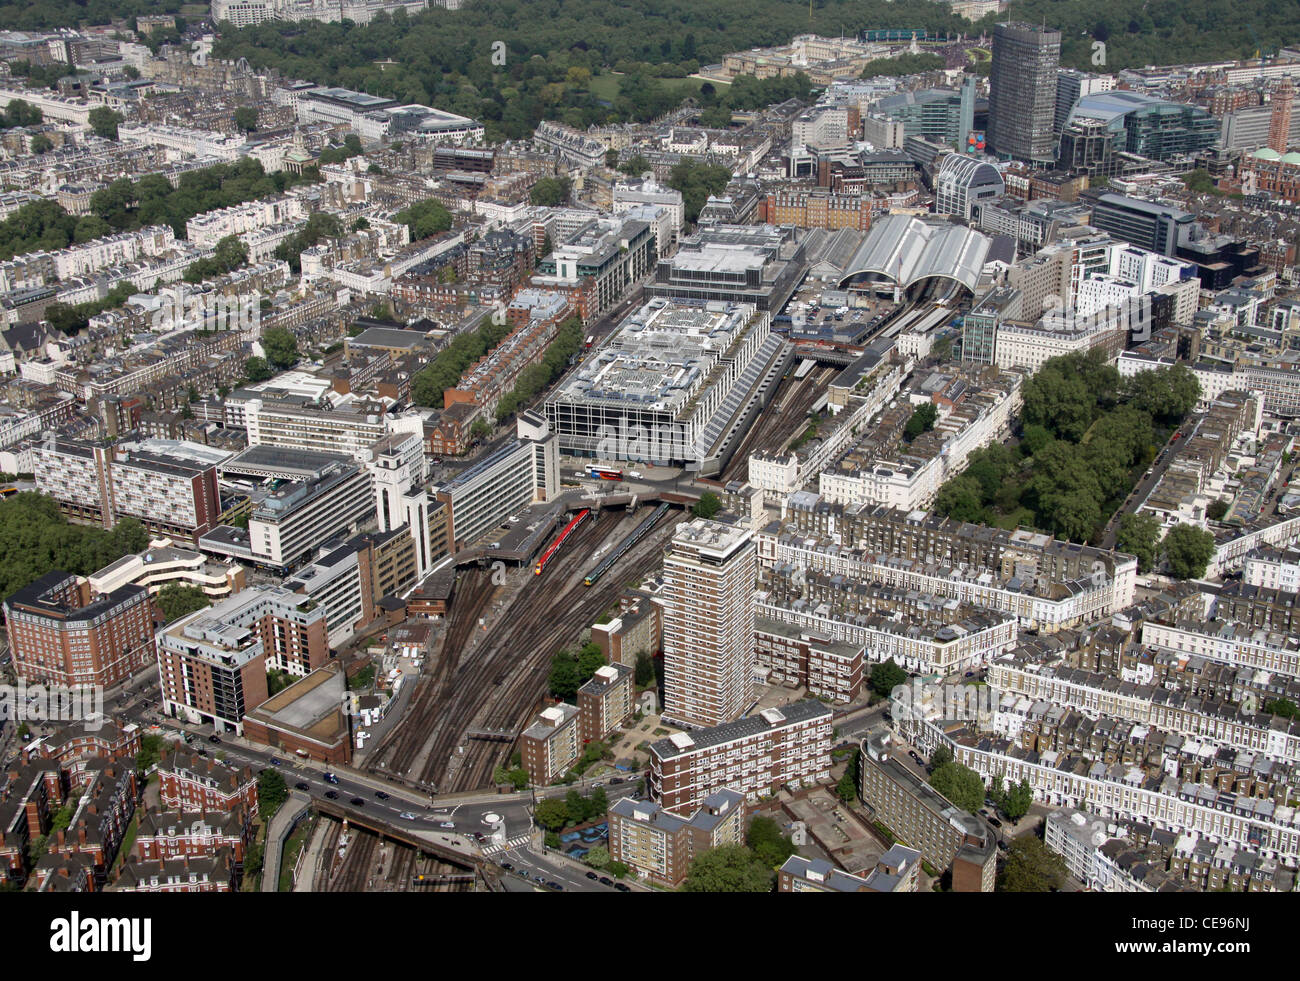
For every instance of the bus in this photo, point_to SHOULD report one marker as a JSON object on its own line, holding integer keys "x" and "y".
{"x": 8, "y": 491}
{"x": 604, "y": 473}
{"x": 591, "y": 339}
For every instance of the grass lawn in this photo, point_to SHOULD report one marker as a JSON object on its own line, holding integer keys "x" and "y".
{"x": 289, "y": 855}
{"x": 605, "y": 86}
{"x": 128, "y": 842}
{"x": 1018, "y": 517}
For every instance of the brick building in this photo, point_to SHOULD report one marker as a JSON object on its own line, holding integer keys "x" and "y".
{"x": 60, "y": 635}
{"x": 754, "y": 756}
{"x": 551, "y": 745}
{"x": 660, "y": 845}
{"x": 606, "y": 701}
{"x": 924, "y": 819}
{"x": 189, "y": 782}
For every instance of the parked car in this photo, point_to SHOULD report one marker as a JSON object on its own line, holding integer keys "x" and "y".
{"x": 622, "y": 887}
{"x": 606, "y": 880}
{"x": 302, "y": 786}
{"x": 276, "y": 761}
{"x": 214, "y": 738}
{"x": 592, "y": 875}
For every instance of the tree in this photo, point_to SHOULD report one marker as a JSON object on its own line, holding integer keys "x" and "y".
{"x": 921, "y": 421}
{"x": 1139, "y": 536}
{"x": 589, "y": 659}
{"x": 645, "y": 670}
{"x": 563, "y": 680}
{"x": 481, "y": 429}
{"x": 551, "y": 192}
{"x": 847, "y": 788}
{"x": 103, "y": 121}
{"x": 1217, "y": 509}
{"x": 151, "y": 747}
{"x": 730, "y": 868}
{"x": 597, "y": 857}
{"x": 886, "y": 676}
{"x": 766, "y": 841}
{"x": 246, "y": 119}
{"x": 707, "y": 506}
{"x": 424, "y": 219}
{"x": 175, "y": 600}
{"x": 1032, "y": 867}
{"x": 1016, "y": 800}
{"x": 551, "y": 813}
{"x": 940, "y": 756}
{"x": 41, "y": 144}
{"x": 1188, "y": 551}
{"x": 257, "y": 370}
{"x": 271, "y": 792}
{"x": 1281, "y": 706}
{"x": 960, "y": 784}
{"x": 281, "y": 348}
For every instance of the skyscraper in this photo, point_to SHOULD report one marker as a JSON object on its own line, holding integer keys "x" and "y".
{"x": 1022, "y": 92}
{"x": 708, "y": 634}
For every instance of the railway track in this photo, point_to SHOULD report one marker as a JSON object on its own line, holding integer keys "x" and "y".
{"x": 522, "y": 645}
{"x": 779, "y": 420}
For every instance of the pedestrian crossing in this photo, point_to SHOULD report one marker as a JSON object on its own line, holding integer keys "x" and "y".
{"x": 505, "y": 846}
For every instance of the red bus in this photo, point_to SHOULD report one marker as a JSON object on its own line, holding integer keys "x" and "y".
{"x": 559, "y": 540}
{"x": 605, "y": 473}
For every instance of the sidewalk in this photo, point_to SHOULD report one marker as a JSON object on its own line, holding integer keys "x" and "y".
{"x": 285, "y": 818}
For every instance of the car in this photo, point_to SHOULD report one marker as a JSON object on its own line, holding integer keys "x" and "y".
{"x": 358, "y": 802}
{"x": 302, "y": 786}
{"x": 606, "y": 880}
{"x": 447, "y": 824}
{"x": 540, "y": 879}
{"x": 622, "y": 887}
{"x": 330, "y": 778}
{"x": 407, "y": 816}
{"x": 507, "y": 866}
{"x": 214, "y": 738}
{"x": 995, "y": 822}
{"x": 616, "y": 781}
{"x": 332, "y": 794}
{"x": 592, "y": 875}
{"x": 202, "y": 751}
{"x": 381, "y": 795}
{"x": 555, "y": 886}
{"x": 1003, "y": 845}
{"x": 276, "y": 761}
{"x": 970, "y": 674}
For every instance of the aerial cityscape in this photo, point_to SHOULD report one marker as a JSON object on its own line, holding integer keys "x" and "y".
{"x": 473, "y": 446}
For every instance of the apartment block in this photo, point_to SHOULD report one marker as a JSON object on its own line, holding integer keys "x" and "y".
{"x": 189, "y": 782}
{"x": 169, "y": 495}
{"x": 606, "y": 701}
{"x": 709, "y": 571}
{"x": 551, "y": 745}
{"x": 660, "y": 844}
{"x": 800, "y": 658}
{"x": 753, "y": 756}
{"x": 212, "y": 664}
{"x": 897, "y": 870}
{"x": 923, "y": 818}
{"x": 60, "y": 635}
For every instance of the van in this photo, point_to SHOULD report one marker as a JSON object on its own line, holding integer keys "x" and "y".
{"x": 634, "y": 474}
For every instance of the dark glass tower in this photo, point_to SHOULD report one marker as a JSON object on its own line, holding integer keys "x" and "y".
{"x": 1022, "y": 92}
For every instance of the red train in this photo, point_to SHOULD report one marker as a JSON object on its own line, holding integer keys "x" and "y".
{"x": 554, "y": 547}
